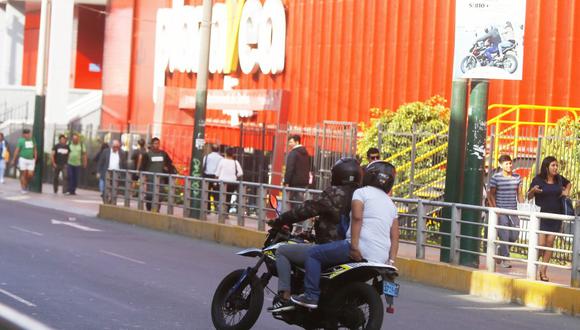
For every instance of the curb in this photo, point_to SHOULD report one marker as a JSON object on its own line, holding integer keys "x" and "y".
{"x": 497, "y": 287}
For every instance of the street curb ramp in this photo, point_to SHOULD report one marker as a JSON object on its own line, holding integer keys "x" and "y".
{"x": 498, "y": 287}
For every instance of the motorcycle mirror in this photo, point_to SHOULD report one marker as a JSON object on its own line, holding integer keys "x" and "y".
{"x": 273, "y": 200}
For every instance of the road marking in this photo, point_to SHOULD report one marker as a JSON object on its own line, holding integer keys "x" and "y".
{"x": 74, "y": 225}
{"x": 15, "y": 297}
{"x": 27, "y": 231}
{"x": 17, "y": 198}
{"x": 123, "y": 257}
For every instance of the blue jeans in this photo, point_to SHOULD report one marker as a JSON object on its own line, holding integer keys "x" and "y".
{"x": 489, "y": 52}
{"x": 102, "y": 185}
{"x": 2, "y": 168}
{"x": 323, "y": 255}
{"x": 73, "y": 178}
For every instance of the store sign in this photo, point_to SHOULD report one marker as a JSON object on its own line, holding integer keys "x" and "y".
{"x": 489, "y": 39}
{"x": 237, "y": 99}
{"x": 242, "y": 31}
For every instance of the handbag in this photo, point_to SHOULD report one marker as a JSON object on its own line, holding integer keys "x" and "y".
{"x": 567, "y": 207}
{"x": 529, "y": 205}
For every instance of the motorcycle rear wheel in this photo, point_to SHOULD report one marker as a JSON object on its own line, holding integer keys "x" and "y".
{"x": 510, "y": 63}
{"x": 225, "y": 313}
{"x": 359, "y": 306}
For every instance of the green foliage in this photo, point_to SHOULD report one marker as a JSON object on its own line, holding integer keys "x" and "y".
{"x": 563, "y": 142}
{"x": 429, "y": 121}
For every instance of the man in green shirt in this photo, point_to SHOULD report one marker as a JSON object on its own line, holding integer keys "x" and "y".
{"x": 26, "y": 154}
{"x": 77, "y": 157}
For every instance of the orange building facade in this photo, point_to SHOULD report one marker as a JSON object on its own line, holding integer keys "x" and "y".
{"x": 341, "y": 59}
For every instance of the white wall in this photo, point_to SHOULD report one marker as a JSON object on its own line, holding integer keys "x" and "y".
{"x": 11, "y": 43}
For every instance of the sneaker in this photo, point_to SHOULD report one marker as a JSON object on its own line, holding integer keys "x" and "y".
{"x": 23, "y": 192}
{"x": 66, "y": 193}
{"x": 505, "y": 264}
{"x": 304, "y": 301}
{"x": 280, "y": 305}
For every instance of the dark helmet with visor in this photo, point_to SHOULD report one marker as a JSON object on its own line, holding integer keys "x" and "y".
{"x": 346, "y": 171}
{"x": 380, "y": 174}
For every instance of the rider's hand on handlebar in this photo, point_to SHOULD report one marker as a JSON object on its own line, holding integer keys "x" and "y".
{"x": 274, "y": 223}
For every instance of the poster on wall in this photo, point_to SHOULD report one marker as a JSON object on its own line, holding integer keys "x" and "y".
{"x": 489, "y": 39}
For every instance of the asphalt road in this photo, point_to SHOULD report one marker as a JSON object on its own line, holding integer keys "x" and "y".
{"x": 70, "y": 276}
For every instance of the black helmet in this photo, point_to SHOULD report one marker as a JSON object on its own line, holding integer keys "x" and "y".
{"x": 346, "y": 171}
{"x": 380, "y": 174}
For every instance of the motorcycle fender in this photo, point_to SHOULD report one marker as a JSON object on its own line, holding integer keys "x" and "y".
{"x": 251, "y": 252}
{"x": 340, "y": 270}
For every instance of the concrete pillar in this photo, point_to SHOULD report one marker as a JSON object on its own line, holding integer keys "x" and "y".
{"x": 59, "y": 61}
{"x": 12, "y": 17}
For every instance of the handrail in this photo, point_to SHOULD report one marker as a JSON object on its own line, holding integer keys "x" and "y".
{"x": 425, "y": 141}
{"x": 190, "y": 189}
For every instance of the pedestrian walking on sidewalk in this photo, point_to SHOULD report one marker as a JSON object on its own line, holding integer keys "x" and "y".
{"x": 59, "y": 158}
{"x": 113, "y": 158}
{"x": 4, "y": 157}
{"x": 26, "y": 155}
{"x": 297, "y": 173}
{"x": 156, "y": 161}
{"x": 548, "y": 188}
{"x": 136, "y": 164}
{"x": 77, "y": 159}
{"x": 505, "y": 191}
{"x": 230, "y": 170}
{"x": 210, "y": 164}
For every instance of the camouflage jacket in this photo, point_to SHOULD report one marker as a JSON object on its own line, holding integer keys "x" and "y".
{"x": 328, "y": 206}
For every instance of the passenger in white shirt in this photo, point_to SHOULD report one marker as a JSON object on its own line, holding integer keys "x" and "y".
{"x": 230, "y": 170}
{"x": 373, "y": 233}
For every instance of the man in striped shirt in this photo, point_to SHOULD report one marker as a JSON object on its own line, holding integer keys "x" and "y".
{"x": 505, "y": 190}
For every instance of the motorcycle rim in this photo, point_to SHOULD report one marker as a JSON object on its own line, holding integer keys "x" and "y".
{"x": 468, "y": 63}
{"x": 242, "y": 308}
{"x": 360, "y": 308}
{"x": 510, "y": 63}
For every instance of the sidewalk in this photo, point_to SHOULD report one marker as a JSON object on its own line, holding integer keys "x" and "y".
{"x": 86, "y": 203}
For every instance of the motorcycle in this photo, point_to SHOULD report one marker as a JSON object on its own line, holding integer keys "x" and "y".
{"x": 508, "y": 61}
{"x": 350, "y": 293}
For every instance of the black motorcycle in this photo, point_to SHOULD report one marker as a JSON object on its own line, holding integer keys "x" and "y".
{"x": 476, "y": 57}
{"x": 350, "y": 293}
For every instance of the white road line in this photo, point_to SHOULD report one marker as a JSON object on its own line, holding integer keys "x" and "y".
{"x": 17, "y": 198}
{"x": 74, "y": 225}
{"x": 123, "y": 257}
{"x": 15, "y": 297}
{"x": 27, "y": 231}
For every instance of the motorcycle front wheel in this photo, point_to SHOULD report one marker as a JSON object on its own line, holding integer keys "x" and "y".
{"x": 359, "y": 306}
{"x": 242, "y": 308}
{"x": 468, "y": 63}
{"x": 510, "y": 63}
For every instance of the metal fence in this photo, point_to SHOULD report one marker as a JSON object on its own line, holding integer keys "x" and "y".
{"x": 420, "y": 159}
{"x": 21, "y": 113}
{"x": 211, "y": 200}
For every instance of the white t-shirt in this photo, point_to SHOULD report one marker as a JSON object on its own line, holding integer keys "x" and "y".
{"x": 226, "y": 170}
{"x": 114, "y": 161}
{"x": 379, "y": 212}
{"x": 211, "y": 162}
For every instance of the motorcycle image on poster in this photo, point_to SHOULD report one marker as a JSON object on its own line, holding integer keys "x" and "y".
{"x": 489, "y": 39}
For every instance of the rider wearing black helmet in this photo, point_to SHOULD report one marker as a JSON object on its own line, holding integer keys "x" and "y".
{"x": 328, "y": 206}
{"x": 373, "y": 234}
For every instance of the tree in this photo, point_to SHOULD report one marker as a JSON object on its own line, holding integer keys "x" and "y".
{"x": 426, "y": 122}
